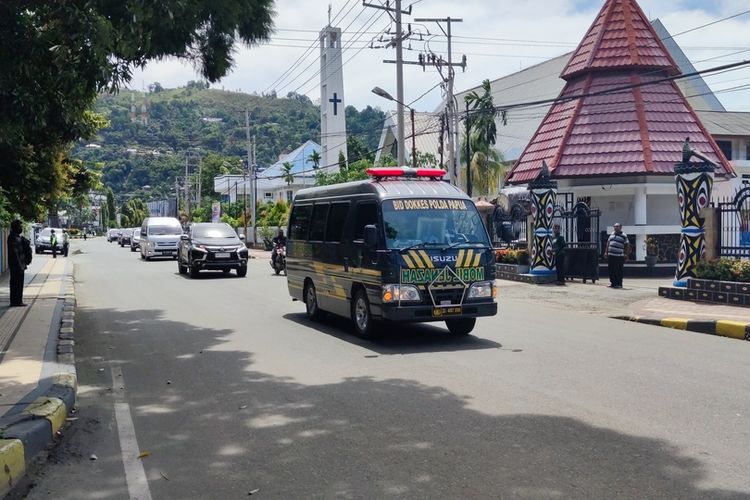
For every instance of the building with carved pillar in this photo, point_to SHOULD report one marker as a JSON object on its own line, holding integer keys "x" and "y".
{"x": 616, "y": 130}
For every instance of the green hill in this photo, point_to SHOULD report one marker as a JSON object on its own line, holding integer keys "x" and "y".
{"x": 134, "y": 153}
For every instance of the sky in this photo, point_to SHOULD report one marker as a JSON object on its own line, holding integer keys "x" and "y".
{"x": 498, "y": 37}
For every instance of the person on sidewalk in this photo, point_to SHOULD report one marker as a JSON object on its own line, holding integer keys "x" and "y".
{"x": 53, "y": 243}
{"x": 615, "y": 252}
{"x": 558, "y": 243}
{"x": 17, "y": 261}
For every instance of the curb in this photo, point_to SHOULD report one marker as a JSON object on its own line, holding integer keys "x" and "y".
{"x": 722, "y": 328}
{"x": 25, "y": 434}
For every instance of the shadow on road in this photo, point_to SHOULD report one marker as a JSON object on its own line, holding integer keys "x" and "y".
{"x": 396, "y": 338}
{"x": 221, "y": 429}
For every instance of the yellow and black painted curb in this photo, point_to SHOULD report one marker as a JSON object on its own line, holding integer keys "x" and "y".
{"x": 27, "y": 432}
{"x": 723, "y": 328}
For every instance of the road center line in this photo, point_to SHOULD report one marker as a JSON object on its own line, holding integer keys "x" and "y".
{"x": 135, "y": 475}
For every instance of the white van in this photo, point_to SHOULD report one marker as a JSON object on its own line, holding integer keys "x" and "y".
{"x": 159, "y": 237}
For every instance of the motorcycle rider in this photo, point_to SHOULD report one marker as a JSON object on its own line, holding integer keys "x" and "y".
{"x": 279, "y": 239}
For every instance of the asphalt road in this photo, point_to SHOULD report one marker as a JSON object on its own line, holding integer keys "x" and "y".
{"x": 231, "y": 390}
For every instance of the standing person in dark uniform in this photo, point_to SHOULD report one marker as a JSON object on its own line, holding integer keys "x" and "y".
{"x": 17, "y": 263}
{"x": 559, "y": 245}
{"x": 53, "y": 243}
{"x": 617, "y": 249}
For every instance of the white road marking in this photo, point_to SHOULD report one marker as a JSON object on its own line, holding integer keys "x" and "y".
{"x": 135, "y": 475}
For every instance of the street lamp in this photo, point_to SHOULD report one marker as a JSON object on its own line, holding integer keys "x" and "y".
{"x": 401, "y": 146}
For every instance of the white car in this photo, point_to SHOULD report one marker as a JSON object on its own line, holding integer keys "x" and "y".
{"x": 135, "y": 240}
{"x": 42, "y": 243}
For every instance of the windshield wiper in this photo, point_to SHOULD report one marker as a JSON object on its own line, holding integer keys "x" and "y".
{"x": 412, "y": 247}
{"x": 459, "y": 243}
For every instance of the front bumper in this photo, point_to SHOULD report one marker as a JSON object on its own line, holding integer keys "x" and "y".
{"x": 208, "y": 260}
{"x": 422, "y": 312}
{"x": 161, "y": 252}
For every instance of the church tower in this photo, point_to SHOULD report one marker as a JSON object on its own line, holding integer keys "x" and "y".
{"x": 332, "y": 104}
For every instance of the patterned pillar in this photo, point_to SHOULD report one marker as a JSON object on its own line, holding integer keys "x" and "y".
{"x": 694, "y": 183}
{"x": 543, "y": 196}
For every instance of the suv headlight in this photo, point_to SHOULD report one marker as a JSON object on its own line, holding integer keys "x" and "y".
{"x": 482, "y": 290}
{"x": 402, "y": 293}
{"x": 242, "y": 248}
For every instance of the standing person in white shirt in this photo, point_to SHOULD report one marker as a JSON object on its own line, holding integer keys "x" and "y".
{"x": 617, "y": 249}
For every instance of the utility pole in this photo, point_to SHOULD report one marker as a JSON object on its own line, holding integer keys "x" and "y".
{"x": 252, "y": 177}
{"x": 413, "y": 139}
{"x": 254, "y": 185}
{"x": 397, "y": 42}
{"x": 450, "y": 103}
{"x": 187, "y": 187}
{"x": 200, "y": 181}
{"x": 468, "y": 152}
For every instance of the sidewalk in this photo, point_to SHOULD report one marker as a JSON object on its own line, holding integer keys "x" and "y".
{"x": 638, "y": 300}
{"x": 37, "y": 373}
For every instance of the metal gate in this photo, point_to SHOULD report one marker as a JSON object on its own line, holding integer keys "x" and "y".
{"x": 579, "y": 224}
{"x": 734, "y": 220}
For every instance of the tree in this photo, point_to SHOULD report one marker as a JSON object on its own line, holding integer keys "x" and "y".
{"x": 356, "y": 171}
{"x": 111, "y": 211}
{"x": 56, "y": 57}
{"x": 342, "y": 162}
{"x": 155, "y": 87}
{"x": 286, "y": 171}
{"x": 357, "y": 149}
{"x": 315, "y": 159}
{"x": 486, "y": 163}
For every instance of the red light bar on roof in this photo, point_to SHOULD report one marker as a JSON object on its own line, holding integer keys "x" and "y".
{"x": 377, "y": 172}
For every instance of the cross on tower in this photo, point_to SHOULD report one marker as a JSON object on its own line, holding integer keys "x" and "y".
{"x": 335, "y": 102}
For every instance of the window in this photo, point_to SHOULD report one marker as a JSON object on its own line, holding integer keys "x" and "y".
{"x": 299, "y": 222}
{"x": 268, "y": 196}
{"x": 726, "y": 148}
{"x": 747, "y": 151}
{"x": 367, "y": 213}
{"x": 289, "y": 196}
{"x": 318, "y": 222}
{"x": 336, "y": 221}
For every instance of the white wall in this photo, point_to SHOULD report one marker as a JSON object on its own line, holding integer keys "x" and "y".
{"x": 614, "y": 209}
{"x": 663, "y": 210}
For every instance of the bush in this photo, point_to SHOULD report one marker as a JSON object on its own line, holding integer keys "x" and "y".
{"x": 511, "y": 256}
{"x": 724, "y": 269}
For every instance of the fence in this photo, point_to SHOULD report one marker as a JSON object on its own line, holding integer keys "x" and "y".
{"x": 579, "y": 224}
{"x": 734, "y": 224}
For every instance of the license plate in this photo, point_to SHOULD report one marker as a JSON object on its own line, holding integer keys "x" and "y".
{"x": 168, "y": 252}
{"x": 438, "y": 312}
{"x": 221, "y": 255}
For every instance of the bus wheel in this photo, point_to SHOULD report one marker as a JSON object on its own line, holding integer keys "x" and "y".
{"x": 311, "y": 303}
{"x": 361, "y": 317}
{"x": 461, "y": 326}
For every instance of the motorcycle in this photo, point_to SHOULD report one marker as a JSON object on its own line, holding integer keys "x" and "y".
{"x": 280, "y": 263}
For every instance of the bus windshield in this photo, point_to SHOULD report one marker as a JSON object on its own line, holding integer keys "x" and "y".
{"x": 432, "y": 222}
{"x": 164, "y": 230}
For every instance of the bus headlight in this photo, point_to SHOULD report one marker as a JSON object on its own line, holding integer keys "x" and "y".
{"x": 402, "y": 293}
{"x": 482, "y": 290}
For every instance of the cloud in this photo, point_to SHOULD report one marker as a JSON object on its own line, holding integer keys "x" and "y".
{"x": 524, "y": 33}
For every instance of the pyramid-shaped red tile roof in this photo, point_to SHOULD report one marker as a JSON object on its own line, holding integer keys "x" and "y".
{"x": 619, "y": 114}
{"x": 621, "y": 37}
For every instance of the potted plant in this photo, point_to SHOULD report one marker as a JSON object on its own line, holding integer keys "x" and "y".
{"x": 652, "y": 251}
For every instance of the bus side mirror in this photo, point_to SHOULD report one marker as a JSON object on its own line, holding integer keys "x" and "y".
{"x": 371, "y": 236}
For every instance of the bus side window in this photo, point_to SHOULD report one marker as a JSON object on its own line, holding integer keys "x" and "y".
{"x": 367, "y": 213}
{"x": 299, "y": 222}
{"x": 336, "y": 222}
{"x": 318, "y": 222}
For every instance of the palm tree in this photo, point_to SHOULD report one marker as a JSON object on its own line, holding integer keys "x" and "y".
{"x": 286, "y": 171}
{"x": 486, "y": 163}
{"x": 315, "y": 159}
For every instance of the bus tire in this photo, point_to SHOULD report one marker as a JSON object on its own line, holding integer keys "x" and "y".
{"x": 460, "y": 327}
{"x": 364, "y": 325}
{"x": 311, "y": 303}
